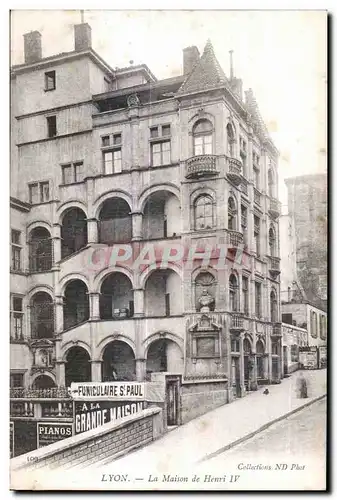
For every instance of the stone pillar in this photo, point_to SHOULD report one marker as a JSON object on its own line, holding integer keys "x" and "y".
{"x": 253, "y": 384}
{"x": 60, "y": 373}
{"x": 94, "y": 305}
{"x": 96, "y": 371}
{"x": 137, "y": 222}
{"x": 138, "y": 302}
{"x": 140, "y": 369}
{"x": 270, "y": 366}
{"x": 92, "y": 228}
{"x": 242, "y": 370}
{"x": 56, "y": 243}
{"x": 58, "y": 314}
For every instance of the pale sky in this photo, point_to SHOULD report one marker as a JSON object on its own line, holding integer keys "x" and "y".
{"x": 281, "y": 55}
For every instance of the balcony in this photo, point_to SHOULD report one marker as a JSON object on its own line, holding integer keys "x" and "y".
{"x": 277, "y": 330}
{"x": 274, "y": 208}
{"x": 236, "y": 323}
{"x": 257, "y": 197}
{"x": 53, "y": 402}
{"x": 234, "y": 171}
{"x": 234, "y": 239}
{"x": 200, "y": 166}
{"x": 274, "y": 266}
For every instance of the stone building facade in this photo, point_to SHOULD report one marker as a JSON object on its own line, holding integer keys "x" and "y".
{"x": 144, "y": 227}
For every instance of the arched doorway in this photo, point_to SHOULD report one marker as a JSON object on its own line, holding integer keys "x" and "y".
{"x": 43, "y": 382}
{"x": 41, "y": 316}
{"x": 40, "y": 250}
{"x": 164, "y": 355}
{"x": 260, "y": 360}
{"x": 116, "y": 298}
{"x": 73, "y": 231}
{"x": 76, "y": 304}
{"x": 118, "y": 362}
{"x": 161, "y": 217}
{"x": 115, "y": 222}
{"x": 163, "y": 296}
{"x": 247, "y": 363}
{"x": 78, "y": 366}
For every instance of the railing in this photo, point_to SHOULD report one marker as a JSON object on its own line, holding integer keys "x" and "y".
{"x": 197, "y": 166}
{"x": 257, "y": 197}
{"x": 52, "y": 392}
{"x": 234, "y": 166}
{"x": 235, "y": 238}
{"x": 274, "y": 207}
{"x": 236, "y": 322}
{"x": 57, "y": 409}
{"x": 118, "y": 230}
{"x": 40, "y": 255}
{"x": 22, "y": 409}
{"x": 277, "y": 329}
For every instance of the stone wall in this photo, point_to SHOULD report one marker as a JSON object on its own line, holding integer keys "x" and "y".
{"x": 199, "y": 398}
{"x": 106, "y": 442}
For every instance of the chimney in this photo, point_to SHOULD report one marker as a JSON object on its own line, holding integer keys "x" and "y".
{"x": 191, "y": 56}
{"x": 82, "y": 36}
{"x": 32, "y": 47}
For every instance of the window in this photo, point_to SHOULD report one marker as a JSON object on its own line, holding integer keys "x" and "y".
{"x": 51, "y": 124}
{"x": 258, "y": 300}
{"x": 72, "y": 173}
{"x": 16, "y": 250}
{"x": 256, "y": 177}
{"x": 270, "y": 183}
{"x": 235, "y": 345}
{"x": 272, "y": 242}
{"x": 244, "y": 223}
{"x": 112, "y": 161}
{"x": 203, "y": 138}
{"x": 275, "y": 347}
{"x": 231, "y": 214}
{"x": 243, "y": 155}
{"x": 245, "y": 295}
{"x": 111, "y": 140}
{"x": 273, "y": 307}
{"x": 16, "y": 380}
{"x": 323, "y": 327}
{"x": 230, "y": 140}
{"x": 233, "y": 293}
{"x": 287, "y": 318}
{"x": 294, "y": 353}
{"x": 203, "y": 212}
{"x": 39, "y": 192}
{"x": 160, "y": 153}
{"x": 205, "y": 347}
{"x": 50, "y": 80}
{"x": 313, "y": 324}
{"x": 257, "y": 235}
{"x": 166, "y": 130}
{"x": 16, "y": 318}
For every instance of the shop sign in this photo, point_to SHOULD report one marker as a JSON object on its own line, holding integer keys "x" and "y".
{"x": 51, "y": 432}
{"x": 93, "y": 391}
{"x": 92, "y": 414}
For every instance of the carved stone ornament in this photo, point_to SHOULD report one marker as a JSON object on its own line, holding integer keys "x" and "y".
{"x": 133, "y": 100}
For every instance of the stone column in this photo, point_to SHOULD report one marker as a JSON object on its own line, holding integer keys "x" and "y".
{"x": 138, "y": 302}
{"x": 59, "y": 321}
{"x": 140, "y": 369}
{"x": 94, "y": 305}
{"x": 242, "y": 370}
{"x": 56, "y": 243}
{"x": 137, "y": 222}
{"x": 60, "y": 373}
{"x": 253, "y": 384}
{"x": 92, "y": 228}
{"x": 96, "y": 371}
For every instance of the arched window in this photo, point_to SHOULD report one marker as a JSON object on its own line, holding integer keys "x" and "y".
{"x": 272, "y": 242}
{"x": 273, "y": 307}
{"x": 230, "y": 140}
{"x": 115, "y": 222}
{"x": 40, "y": 250}
{"x": 203, "y": 212}
{"x": 232, "y": 214}
{"x": 233, "y": 293}
{"x": 73, "y": 231}
{"x": 76, "y": 304}
{"x": 205, "y": 289}
{"x": 203, "y": 138}
{"x": 42, "y": 316}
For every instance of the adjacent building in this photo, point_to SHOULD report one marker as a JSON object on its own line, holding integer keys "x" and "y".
{"x": 111, "y": 171}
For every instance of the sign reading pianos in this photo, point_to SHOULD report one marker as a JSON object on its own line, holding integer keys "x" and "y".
{"x": 96, "y": 404}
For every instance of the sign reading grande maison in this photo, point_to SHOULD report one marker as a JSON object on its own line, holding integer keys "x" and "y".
{"x": 89, "y": 391}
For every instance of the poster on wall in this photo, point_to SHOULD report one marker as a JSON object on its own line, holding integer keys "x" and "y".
{"x": 51, "y": 432}
{"x": 11, "y": 439}
{"x": 308, "y": 359}
{"x": 91, "y": 414}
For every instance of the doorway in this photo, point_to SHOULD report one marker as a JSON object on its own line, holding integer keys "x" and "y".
{"x": 285, "y": 360}
{"x": 236, "y": 377}
{"x": 172, "y": 401}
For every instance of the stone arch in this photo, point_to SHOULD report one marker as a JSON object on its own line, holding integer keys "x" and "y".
{"x": 112, "y": 338}
{"x": 167, "y": 186}
{"x": 38, "y": 223}
{"x": 118, "y": 361}
{"x": 71, "y": 277}
{"x": 40, "y": 288}
{"x": 201, "y": 115}
{"x": 199, "y": 191}
{"x": 70, "y": 204}
{"x": 74, "y": 343}
{"x": 46, "y": 374}
{"x": 103, "y": 273}
{"x": 144, "y": 276}
{"x": 116, "y": 193}
{"x": 162, "y": 335}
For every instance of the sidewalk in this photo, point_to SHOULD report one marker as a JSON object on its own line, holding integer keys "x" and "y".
{"x": 213, "y": 432}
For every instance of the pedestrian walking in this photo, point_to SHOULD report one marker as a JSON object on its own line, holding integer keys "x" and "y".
{"x": 302, "y": 386}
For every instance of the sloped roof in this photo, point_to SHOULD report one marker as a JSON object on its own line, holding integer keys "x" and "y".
{"x": 206, "y": 74}
{"x": 253, "y": 110}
